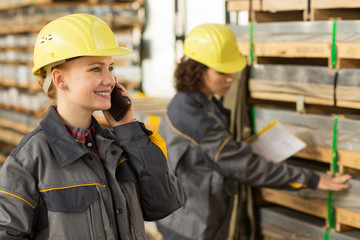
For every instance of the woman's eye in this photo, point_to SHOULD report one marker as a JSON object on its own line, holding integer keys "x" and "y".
{"x": 111, "y": 69}
{"x": 96, "y": 69}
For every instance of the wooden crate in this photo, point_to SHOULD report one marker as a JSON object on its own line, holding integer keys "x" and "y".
{"x": 345, "y": 219}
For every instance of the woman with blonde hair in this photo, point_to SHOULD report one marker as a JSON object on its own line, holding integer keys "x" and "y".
{"x": 71, "y": 178}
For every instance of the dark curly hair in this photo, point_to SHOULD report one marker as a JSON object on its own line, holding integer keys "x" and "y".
{"x": 189, "y": 75}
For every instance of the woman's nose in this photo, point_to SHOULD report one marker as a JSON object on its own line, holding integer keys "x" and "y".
{"x": 230, "y": 77}
{"x": 109, "y": 78}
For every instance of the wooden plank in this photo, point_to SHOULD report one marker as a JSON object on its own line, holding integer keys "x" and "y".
{"x": 316, "y": 153}
{"x": 288, "y": 49}
{"x": 295, "y": 202}
{"x": 346, "y": 158}
{"x": 303, "y": 53}
{"x": 348, "y": 96}
{"x": 348, "y": 50}
{"x": 325, "y": 4}
{"x": 323, "y": 91}
{"x": 286, "y": 97}
{"x": 237, "y": 6}
{"x": 301, "y": 49}
{"x": 345, "y": 218}
{"x": 280, "y": 5}
{"x": 292, "y": 49}
{"x": 348, "y": 104}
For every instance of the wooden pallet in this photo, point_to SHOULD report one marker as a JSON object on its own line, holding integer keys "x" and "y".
{"x": 308, "y": 53}
{"x": 291, "y": 98}
{"x": 272, "y": 10}
{"x": 345, "y": 219}
{"x": 329, "y": 9}
{"x": 297, "y": 10}
{"x": 347, "y": 160}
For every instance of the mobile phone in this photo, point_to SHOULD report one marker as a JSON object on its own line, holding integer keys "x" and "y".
{"x": 119, "y": 104}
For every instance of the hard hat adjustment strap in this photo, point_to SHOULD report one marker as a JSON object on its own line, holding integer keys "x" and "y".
{"x": 47, "y": 81}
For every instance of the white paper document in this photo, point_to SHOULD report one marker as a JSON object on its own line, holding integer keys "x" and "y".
{"x": 275, "y": 143}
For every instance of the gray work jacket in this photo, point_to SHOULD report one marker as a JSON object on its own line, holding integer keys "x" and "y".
{"x": 51, "y": 188}
{"x": 208, "y": 163}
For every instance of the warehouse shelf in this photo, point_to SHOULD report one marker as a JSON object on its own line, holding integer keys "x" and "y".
{"x": 302, "y": 74}
{"x": 346, "y": 218}
{"x": 305, "y": 43}
{"x": 6, "y": 5}
{"x": 296, "y": 10}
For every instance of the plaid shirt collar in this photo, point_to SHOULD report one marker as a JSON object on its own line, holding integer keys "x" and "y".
{"x": 85, "y": 138}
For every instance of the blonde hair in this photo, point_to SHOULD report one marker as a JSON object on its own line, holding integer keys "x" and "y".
{"x": 52, "y": 97}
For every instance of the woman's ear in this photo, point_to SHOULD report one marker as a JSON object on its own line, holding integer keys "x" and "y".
{"x": 58, "y": 79}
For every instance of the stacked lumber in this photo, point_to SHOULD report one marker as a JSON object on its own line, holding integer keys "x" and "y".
{"x": 290, "y": 82}
{"x": 303, "y": 43}
{"x": 279, "y": 223}
{"x": 296, "y": 10}
{"x": 304, "y": 74}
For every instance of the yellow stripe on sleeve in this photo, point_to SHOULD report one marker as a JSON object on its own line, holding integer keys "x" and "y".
{"x": 221, "y": 148}
{"x": 297, "y": 185}
{"x": 17, "y": 197}
{"x": 121, "y": 162}
{"x": 180, "y": 133}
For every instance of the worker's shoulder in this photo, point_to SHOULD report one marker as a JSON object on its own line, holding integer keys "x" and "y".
{"x": 187, "y": 113}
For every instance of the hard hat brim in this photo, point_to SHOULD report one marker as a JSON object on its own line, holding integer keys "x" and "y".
{"x": 230, "y": 67}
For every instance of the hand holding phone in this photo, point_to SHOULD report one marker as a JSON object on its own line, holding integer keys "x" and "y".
{"x": 119, "y": 104}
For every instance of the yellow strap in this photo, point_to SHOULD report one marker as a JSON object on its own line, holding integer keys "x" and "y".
{"x": 156, "y": 139}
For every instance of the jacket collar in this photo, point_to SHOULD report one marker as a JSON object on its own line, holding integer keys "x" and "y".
{"x": 212, "y": 105}
{"x": 65, "y": 149}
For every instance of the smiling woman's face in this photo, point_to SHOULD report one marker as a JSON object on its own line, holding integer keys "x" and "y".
{"x": 89, "y": 82}
{"x": 216, "y": 83}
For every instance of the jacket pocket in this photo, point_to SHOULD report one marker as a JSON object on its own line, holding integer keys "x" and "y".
{"x": 74, "y": 213}
{"x": 70, "y": 199}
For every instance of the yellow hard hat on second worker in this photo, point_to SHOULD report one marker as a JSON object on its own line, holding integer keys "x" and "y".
{"x": 214, "y": 45}
{"x": 72, "y": 36}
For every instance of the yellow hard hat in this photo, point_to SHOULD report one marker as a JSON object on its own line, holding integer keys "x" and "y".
{"x": 72, "y": 36}
{"x": 214, "y": 45}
